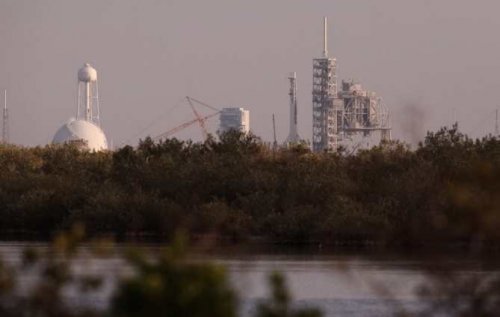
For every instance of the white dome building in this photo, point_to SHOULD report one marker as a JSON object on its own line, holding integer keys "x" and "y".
{"x": 85, "y": 132}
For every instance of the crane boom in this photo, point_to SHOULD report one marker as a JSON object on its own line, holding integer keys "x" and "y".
{"x": 201, "y": 121}
{"x": 204, "y": 104}
{"x": 198, "y": 118}
{"x": 183, "y": 126}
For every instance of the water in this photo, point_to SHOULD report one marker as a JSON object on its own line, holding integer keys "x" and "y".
{"x": 340, "y": 285}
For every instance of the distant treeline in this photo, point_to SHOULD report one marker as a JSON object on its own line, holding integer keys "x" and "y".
{"x": 446, "y": 191}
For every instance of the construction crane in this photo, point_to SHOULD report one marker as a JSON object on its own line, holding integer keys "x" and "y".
{"x": 198, "y": 119}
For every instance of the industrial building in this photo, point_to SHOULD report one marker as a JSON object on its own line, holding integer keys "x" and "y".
{"x": 85, "y": 131}
{"x": 234, "y": 119}
{"x": 337, "y": 116}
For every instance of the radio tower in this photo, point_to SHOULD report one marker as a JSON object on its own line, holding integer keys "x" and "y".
{"x": 5, "y": 126}
{"x": 293, "y": 135}
{"x": 497, "y": 132}
{"x": 275, "y": 142}
{"x": 325, "y": 119}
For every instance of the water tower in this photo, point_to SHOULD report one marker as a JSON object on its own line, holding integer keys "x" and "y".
{"x": 88, "y": 94}
{"x": 85, "y": 130}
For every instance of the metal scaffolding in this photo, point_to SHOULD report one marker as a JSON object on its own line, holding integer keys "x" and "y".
{"x": 337, "y": 116}
{"x": 363, "y": 113}
{"x": 325, "y": 109}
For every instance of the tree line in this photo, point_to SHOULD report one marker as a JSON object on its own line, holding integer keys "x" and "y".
{"x": 235, "y": 188}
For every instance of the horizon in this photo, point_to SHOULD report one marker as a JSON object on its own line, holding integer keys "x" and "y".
{"x": 432, "y": 63}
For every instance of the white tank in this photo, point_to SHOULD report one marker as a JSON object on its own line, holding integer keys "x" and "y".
{"x": 84, "y": 134}
{"x": 87, "y": 73}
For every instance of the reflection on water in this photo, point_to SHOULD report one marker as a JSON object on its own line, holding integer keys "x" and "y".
{"x": 327, "y": 277}
{"x": 341, "y": 285}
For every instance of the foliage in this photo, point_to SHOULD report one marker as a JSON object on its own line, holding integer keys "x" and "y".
{"x": 169, "y": 285}
{"x": 236, "y": 188}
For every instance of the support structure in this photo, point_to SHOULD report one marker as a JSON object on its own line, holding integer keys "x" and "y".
{"x": 339, "y": 115}
{"x": 198, "y": 119}
{"x": 363, "y": 113}
{"x": 201, "y": 120}
{"x": 325, "y": 128}
{"x": 293, "y": 135}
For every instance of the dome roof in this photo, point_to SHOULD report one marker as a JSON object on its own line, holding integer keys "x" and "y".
{"x": 87, "y": 73}
{"x": 83, "y": 133}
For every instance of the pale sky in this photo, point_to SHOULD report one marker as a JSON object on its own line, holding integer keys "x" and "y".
{"x": 432, "y": 61}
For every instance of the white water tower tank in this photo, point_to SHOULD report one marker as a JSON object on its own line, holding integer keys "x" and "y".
{"x": 87, "y": 73}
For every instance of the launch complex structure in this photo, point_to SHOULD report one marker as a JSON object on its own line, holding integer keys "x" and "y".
{"x": 339, "y": 115}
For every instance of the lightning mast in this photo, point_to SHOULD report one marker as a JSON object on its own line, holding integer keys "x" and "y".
{"x": 275, "y": 142}
{"x": 293, "y": 135}
{"x": 5, "y": 126}
{"x": 496, "y": 123}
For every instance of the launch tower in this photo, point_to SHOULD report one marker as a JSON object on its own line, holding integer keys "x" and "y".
{"x": 325, "y": 128}
{"x": 338, "y": 116}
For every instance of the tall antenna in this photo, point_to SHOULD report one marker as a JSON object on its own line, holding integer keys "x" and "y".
{"x": 496, "y": 123}
{"x": 5, "y": 127}
{"x": 325, "y": 39}
{"x": 275, "y": 143}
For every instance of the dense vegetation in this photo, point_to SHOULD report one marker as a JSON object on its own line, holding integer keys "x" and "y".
{"x": 236, "y": 188}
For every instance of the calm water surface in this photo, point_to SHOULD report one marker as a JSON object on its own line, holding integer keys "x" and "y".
{"x": 339, "y": 284}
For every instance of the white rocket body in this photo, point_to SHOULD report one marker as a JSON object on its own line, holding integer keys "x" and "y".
{"x": 293, "y": 135}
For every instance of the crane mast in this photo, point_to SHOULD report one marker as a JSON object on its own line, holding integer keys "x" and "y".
{"x": 198, "y": 119}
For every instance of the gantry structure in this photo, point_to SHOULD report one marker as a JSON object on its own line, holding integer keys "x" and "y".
{"x": 339, "y": 115}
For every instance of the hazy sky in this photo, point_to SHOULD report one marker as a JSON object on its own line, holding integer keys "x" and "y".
{"x": 432, "y": 61}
